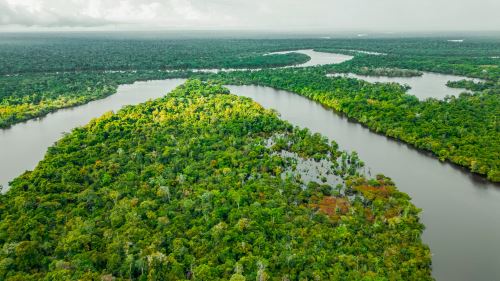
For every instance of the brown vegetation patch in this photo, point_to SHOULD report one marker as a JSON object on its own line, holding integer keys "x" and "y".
{"x": 332, "y": 206}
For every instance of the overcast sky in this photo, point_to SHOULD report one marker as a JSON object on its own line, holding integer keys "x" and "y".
{"x": 276, "y": 15}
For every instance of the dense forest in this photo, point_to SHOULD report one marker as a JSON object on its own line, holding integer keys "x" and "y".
{"x": 385, "y": 71}
{"x": 41, "y": 74}
{"x": 200, "y": 185}
{"x": 31, "y": 54}
{"x": 484, "y": 68}
{"x": 475, "y": 57}
{"x": 463, "y": 130}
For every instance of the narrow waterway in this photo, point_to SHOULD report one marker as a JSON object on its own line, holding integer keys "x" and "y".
{"x": 429, "y": 85}
{"x": 318, "y": 58}
{"x": 460, "y": 211}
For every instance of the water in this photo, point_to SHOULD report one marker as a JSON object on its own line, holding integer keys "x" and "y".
{"x": 461, "y": 211}
{"x": 24, "y": 145}
{"x": 429, "y": 85}
{"x": 318, "y": 58}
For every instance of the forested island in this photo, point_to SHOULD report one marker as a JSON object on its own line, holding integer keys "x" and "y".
{"x": 203, "y": 185}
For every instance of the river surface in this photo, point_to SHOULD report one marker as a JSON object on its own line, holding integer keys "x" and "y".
{"x": 317, "y": 58}
{"x": 429, "y": 85}
{"x": 461, "y": 211}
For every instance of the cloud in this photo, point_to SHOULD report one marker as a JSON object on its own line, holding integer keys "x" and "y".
{"x": 95, "y": 13}
{"x": 44, "y": 13}
{"x": 185, "y": 9}
{"x": 380, "y": 15}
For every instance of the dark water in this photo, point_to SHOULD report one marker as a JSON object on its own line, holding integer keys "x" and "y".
{"x": 25, "y": 144}
{"x": 461, "y": 211}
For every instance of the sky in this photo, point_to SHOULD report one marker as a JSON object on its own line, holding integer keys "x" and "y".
{"x": 272, "y": 15}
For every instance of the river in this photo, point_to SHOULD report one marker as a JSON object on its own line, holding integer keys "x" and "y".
{"x": 461, "y": 211}
{"x": 317, "y": 58}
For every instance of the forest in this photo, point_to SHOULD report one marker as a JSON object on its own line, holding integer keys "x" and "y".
{"x": 475, "y": 57}
{"x": 194, "y": 186}
{"x": 58, "y": 53}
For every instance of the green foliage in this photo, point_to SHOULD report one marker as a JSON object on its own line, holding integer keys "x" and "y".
{"x": 475, "y": 86}
{"x": 47, "y": 73}
{"x": 389, "y": 72}
{"x": 480, "y": 67}
{"x": 186, "y": 187}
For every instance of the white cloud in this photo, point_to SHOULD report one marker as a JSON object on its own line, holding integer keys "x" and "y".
{"x": 31, "y": 6}
{"x": 46, "y": 13}
{"x": 93, "y": 9}
{"x": 128, "y": 12}
{"x": 185, "y": 9}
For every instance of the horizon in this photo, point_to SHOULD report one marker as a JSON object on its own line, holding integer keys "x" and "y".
{"x": 263, "y": 34}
